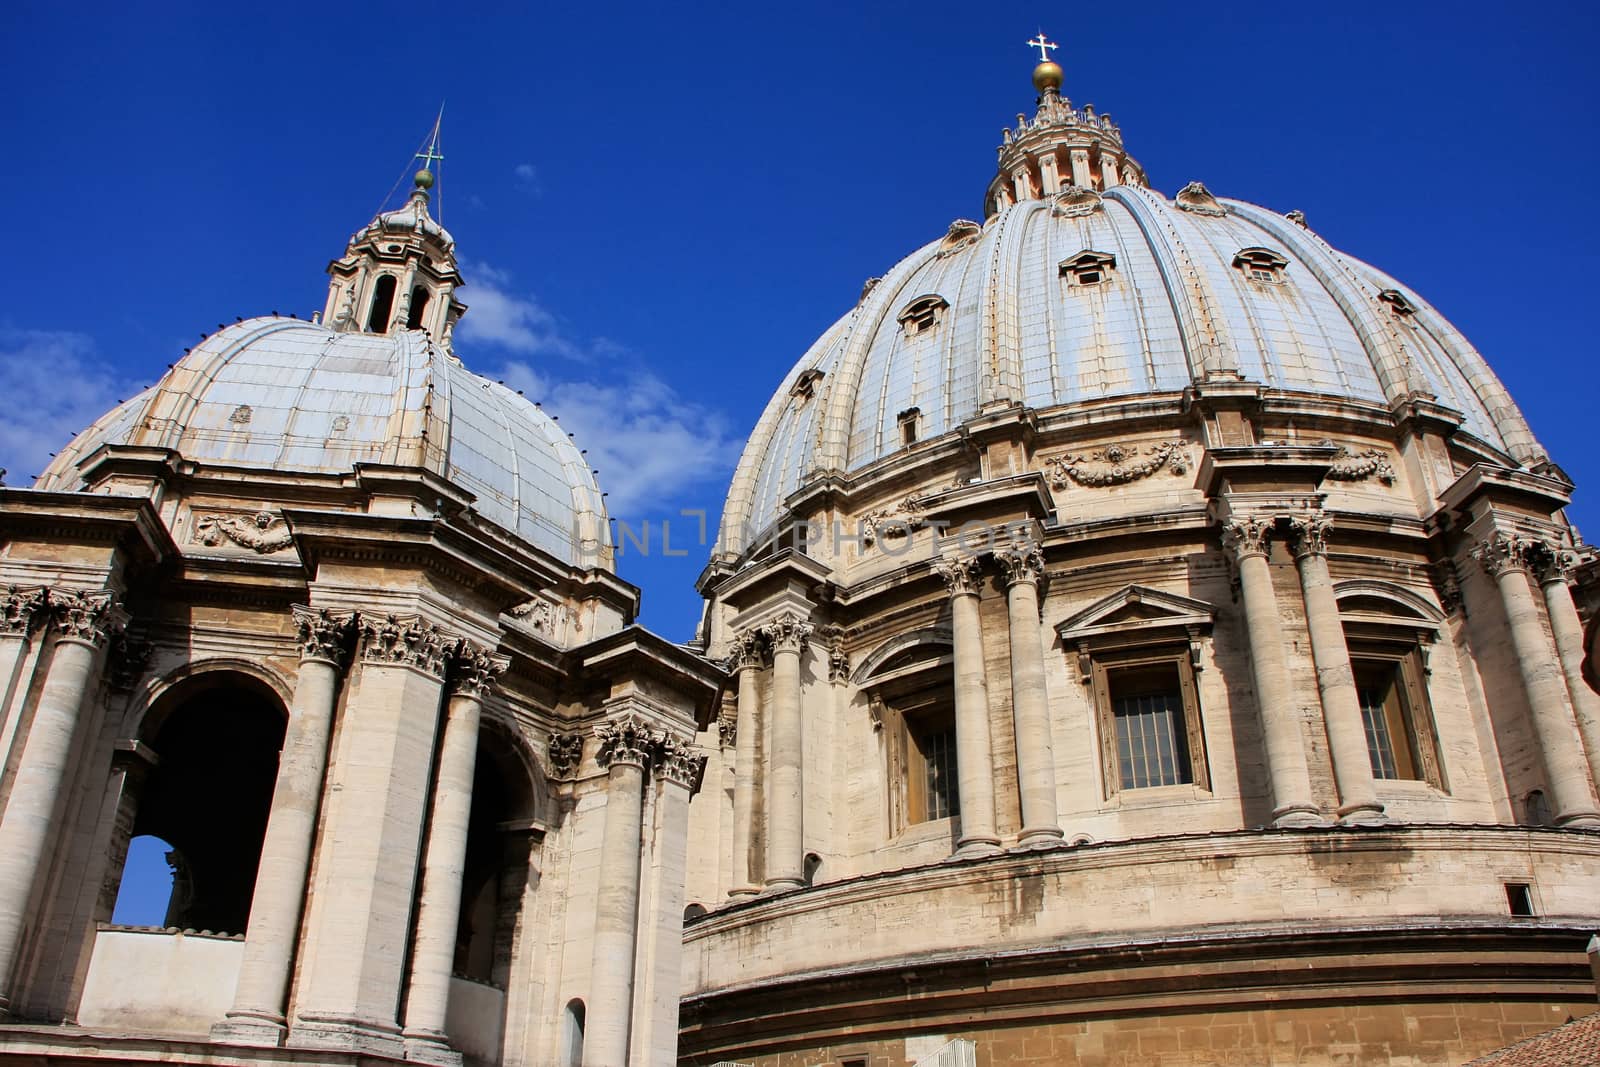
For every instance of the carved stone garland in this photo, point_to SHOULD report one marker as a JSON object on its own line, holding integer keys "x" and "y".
{"x": 1117, "y": 464}
{"x": 901, "y": 520}
{"x": 264, "y": 533}
{"x": 1351, "y": 466}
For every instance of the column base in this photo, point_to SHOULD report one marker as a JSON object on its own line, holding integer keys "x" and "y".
{"x": 337, "y": 1034}
{"x": 1040, "y": 837}
{"x": 1579, "y": 820}
{"x": 255, "y": 1029}
{"x": 1298, "y": 817}
{"x": 976, "y": 845}
{"x": 782, "y": 885}
{"x": 431, "y": 1047}
{"x": 1363, "y": 815}
{"x": 743, "y": 891}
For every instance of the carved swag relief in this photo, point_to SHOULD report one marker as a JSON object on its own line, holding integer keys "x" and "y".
{"x": 263, "y": 532}
{"x": 1117, "y": 464}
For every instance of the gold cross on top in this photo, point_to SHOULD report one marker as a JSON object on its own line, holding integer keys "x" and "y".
{"x": 1044, "y": 46}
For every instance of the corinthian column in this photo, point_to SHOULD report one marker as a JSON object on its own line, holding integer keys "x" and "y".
{"x": 350, "y": 987}
{"x": 678, "y": 770}
{"x": 256, "y": 1017}
{"x": 21, "y": 611}
{"x": 1286, "y": 759}
{"x": 1508, "y": 558}
{"x": 974, "y": 759}
{"x": 81, "y": 621}
{"x": 433, "y": 949}
{"x": 748, "y": 652}
{"x": 1341, "y": 707}
{"x": 1022, "y": 562}
{"x": 1554, "y": 565}
{"x": 786, "y": 823}
{"x": 625, "y": 746}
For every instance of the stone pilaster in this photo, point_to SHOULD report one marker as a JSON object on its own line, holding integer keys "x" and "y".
{"x": 974, "y": 757}
{"x": 1022, "y": 563}
{"x": 678, "y": 771}
{"x": 1336, "y": 683}
{"x": 1509, "y": 558}
{"x": 749, "y": 653}
{"x": 1247, "y": 540}
{"x": 788, "y": 634}
{"x": 1553, "y": 568}
{"x": 626, "y": 745}
{"x": 257, "y": 1015}
{"x": 350, "y": 988}
{"x": 472, "y": 673}
{"x": 81, "y": 623}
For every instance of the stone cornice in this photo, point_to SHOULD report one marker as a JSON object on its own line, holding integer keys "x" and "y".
{"x": 130, "y": 522}
{"x": 1491, "y": 484}
{"x": 634, "y": 652}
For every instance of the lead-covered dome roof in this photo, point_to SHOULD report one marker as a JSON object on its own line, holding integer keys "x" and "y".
{"x": 289, "y": 395}
{"x": 1084, "y": 286}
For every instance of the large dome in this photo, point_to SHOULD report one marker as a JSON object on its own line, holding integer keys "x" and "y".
{"x": 289, "y": 395}
{"x": 1080, "y": 297}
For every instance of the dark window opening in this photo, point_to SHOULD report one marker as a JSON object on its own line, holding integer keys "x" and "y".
{"x": 1152, "y": 736}
{"x": 419, "y": 307}
{"x": 907, "y": 421}
{"x": 572, "y": 1035}
{"x": 1261, "y": 264}
{"x": 813, "y": 865}
{"x": 1386, "y": 715}
{"x": 496, "y": 869}
{"x": 934, "y": 792}
{"x": 201, "y": 809}
{"x": 1519, "y": 899}
{"x": 922, "y": 315}
{"x": 382, "y": 305}
{"x": 1088, "y": 268}
{"x": 1536, "y": 809}
{"x": 693, "y": 911}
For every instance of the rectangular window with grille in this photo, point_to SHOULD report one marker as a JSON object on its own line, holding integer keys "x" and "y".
{"x": 1393, "y": 712}
{"x": 938, "y": 750}
{"x": 1147, "y": 709}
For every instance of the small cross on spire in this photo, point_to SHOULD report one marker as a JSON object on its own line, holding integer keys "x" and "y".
{"x": 1044, "y": 46}
{"x": 430, "y": 155}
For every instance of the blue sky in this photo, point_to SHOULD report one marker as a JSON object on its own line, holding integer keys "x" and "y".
{"x": 660, "y": 207}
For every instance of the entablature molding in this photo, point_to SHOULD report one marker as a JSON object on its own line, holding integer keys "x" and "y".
{"x": 131, "y": 524}
{"x": 786, "y": 573}
{"x": 1485, "y": 488}
{"x": 1133, "y": 616}
{"x": 1275, "y": 468}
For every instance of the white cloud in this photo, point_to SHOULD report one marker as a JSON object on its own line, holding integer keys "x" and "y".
{"x": 58, "y": 386}
{"x": 527, "y": 176}
{"x": 652, "y": 447}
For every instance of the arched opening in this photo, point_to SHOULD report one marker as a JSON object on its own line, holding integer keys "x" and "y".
{"x": 419, "y": 307}
{"x": 572, "y": 1034}
{"x": 694, "y": 911}
{"x": 382, "y": 305}
{"x": 202, "y": 808}
{"x": 495, "y": 874}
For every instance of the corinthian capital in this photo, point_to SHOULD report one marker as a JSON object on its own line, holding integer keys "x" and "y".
{"x": 21, "y": 610}
{"x": 1552, "y": 562}
{"x": 473, "y": 670}
{"x": 962, "y": 575}
{"x": 1310, "y": 534}
{"x": 323, "y": 634}
{"x": 84, "y": 615}
{"x": 406, "y": 641}
{"x": 625, "y": 739}
{"x": 787, "y": 632}
{"x": 1501, "y": 552}
{"x": 1246, "y": 537}
{"x": 749, "y": 651}
{"x": 1021, "y": 560}
{"x": 677, "y": 761}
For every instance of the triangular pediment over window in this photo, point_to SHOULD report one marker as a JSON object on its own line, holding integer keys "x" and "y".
{"x": 1136, "y": 609}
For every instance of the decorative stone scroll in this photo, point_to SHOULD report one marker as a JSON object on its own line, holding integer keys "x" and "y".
{"x": 1352, "y": 466}
{"x": 1076, "y": 201}
{"x": 1197, "y": 199}
{"x": 1117, "y": 464}
{"x": 21, "y": 610}
{"x": 84, "y": 615}
{"x": 838, "y": 661}
{"x": 962, "y": 574}
{"x": 264, "y": 532}
{"x": 406, "y": 641}
{"x": 1502, "y": 551}
{"x": 962, "y": 233}
{"x": 323, "y": 634}
{"x": 1246, "y": 536}
{"x": 901, "y": 520}
{"x": 677, "y": 761}
{"x": 127, "y": 660}
{"x": 1447, "y": 586}
{"x": 787, "y": 632}
{"x": 727, "y": 728}
{"x": 473, "y": 670}
{"x": 565, "y": 752}
{"x": 625, "y": 739}
{"x": 1022, "y": 560}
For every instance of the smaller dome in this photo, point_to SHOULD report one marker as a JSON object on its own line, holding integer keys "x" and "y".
{"x": 287, "y": 395}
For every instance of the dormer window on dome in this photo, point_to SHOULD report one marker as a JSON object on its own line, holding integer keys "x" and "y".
{"x": 1261, "y": 265}
{"x": 1088, "y": 268}
{"x": 805, "y": 386}
{"x": 923, "y": 315}
{"x": 1397, "y": 302}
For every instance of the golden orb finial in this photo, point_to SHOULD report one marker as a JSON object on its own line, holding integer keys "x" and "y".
{"x": 1047, "y": 75}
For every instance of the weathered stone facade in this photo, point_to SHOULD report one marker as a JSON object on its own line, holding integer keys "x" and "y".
{"x": 1245, "y": 723}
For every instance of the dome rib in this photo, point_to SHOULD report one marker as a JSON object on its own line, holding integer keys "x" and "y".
{"x": 1197, "y": 329}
